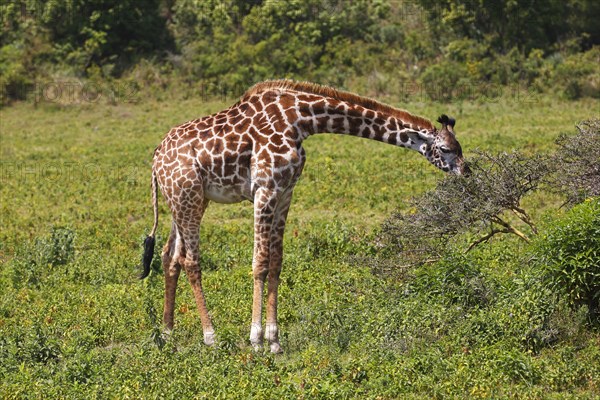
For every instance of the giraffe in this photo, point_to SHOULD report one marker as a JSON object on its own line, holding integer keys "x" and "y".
{"x": 253, "y": 151}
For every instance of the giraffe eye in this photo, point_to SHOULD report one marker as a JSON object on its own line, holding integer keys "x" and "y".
{"x": 445, "y": 149}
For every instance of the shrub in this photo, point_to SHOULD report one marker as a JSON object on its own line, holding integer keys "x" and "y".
{"x": 33, "y": 259}
{"x": 13, "y": 75}
{"x": 58, "y": 248}
{"x": 569, "y": 253}
{"x": 577, "y": 163}
{"x": 445, "y": 82}
{"x": 457, "y": 279}
{"x": 459, "y": 204}
{"x": 577, "y": 76}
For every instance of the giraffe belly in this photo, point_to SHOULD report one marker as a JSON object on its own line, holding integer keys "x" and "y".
{"x": 220, "y": 194}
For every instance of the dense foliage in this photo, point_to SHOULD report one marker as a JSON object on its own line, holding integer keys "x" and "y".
{"x": 406, "y": 49}
{"x": 479, "y": 203}
{"x": 570, "y": 253}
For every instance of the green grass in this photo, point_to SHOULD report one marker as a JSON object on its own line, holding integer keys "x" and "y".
{"x": 75, "y": 321}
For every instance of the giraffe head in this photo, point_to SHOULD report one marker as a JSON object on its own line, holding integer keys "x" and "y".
{"x": 446, "y": 152}
{"x": 443, "y": 150}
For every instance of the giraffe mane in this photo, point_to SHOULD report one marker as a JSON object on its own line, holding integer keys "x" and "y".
{"x": 367, "y": 102}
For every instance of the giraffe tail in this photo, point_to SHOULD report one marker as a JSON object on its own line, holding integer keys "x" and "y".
{"x": 150, "y": 240}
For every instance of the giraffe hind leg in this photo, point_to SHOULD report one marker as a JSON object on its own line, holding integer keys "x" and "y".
{"x": 171, "y": 260}
{"x": 188, "y": 226}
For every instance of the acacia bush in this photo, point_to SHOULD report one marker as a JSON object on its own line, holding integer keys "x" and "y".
{"x": 483, "y": 203}
{"x": 577, "y": 163}
{"x": 488, "y": 202}
{"x": 35, "y": 258}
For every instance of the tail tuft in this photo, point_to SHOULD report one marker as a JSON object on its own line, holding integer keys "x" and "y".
{"x": 148, "y": 254}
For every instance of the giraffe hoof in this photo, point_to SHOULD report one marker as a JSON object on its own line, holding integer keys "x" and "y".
{"x": 256, "y": 336}
{"x": 275, "y": 348}
{"x": 209, "y": 338}
{"x": 257, "y": 347}
{"x": 166, "y": 334}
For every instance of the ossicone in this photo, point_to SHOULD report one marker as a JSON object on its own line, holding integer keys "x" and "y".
{"x": 446, "y": 120}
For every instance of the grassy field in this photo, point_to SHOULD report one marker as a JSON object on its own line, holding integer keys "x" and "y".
{"x": 76, "y": 323}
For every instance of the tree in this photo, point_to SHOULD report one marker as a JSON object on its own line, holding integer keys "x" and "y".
{"x": 86, "y": 32}
{"x": 524, "y": 24}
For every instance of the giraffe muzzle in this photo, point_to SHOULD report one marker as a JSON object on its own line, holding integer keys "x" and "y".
{"x": 466, "y": 170}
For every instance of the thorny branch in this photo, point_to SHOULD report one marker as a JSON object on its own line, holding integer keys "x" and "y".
{"x": 523, "y": 216}
{"x": 498, "y": 183}
{"x": 510, "y": 228}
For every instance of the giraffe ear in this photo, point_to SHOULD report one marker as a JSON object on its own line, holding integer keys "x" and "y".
{"x": 426, "y": 136}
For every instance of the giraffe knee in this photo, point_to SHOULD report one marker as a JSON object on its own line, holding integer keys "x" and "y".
{"x": 171, "y": 263}
{"x": 274, "y": 272}
{"x": 260, "y": 271}
{"x": 190, "y": 264}
{"x": 275, "y": 263}
{"x": 192, "y": 269}
{"x": 166, "y": 262}
{"x": 173, "y": 269}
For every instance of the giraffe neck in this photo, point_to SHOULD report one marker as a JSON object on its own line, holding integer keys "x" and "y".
{"x": 328, "y": 115}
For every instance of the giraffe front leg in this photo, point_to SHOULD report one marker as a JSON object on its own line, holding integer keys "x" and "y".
{"x": 276, "y": 258}
{"x": 271, "y": 328}
{"x": 256, "y": 333}
{"x": 264, "y": 208}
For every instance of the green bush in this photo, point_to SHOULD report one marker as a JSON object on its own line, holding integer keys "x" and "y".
{"x": 570, "y": 255}
{"x": 445, "y": 82}
{"x": 35, "y": 259}
{"x": 457, "y": 279}
{"x": 375, "y": 47}
{"x": 578, "y": 75}
{"x": 13, "y": 75}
